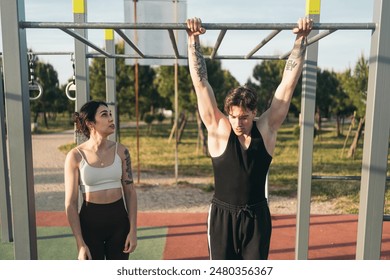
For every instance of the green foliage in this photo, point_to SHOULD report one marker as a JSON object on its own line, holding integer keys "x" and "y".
{"x": 148, "y": 96}
{"x": 53, "y": 100}
{"x": 268, "y": 75}
{"x": 149, "y": 118}
{"x": 354, "y": 84}
{"x": 165, "y": 85}
{"x": 160, "y": 117}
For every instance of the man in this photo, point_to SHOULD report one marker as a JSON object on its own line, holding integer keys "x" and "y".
{"x": 241, "y": 149}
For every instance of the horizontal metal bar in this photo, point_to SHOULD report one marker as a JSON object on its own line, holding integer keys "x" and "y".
{"x": 386, "y": 218}
{"x": 51, "y": 53}
{"x": 234, "y": 57}
{"x": 341, "y": 178}
{"x": 183, "y": 26}
{"x": 48, "y": 53}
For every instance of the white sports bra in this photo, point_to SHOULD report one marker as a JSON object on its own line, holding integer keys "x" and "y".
{"x": 94, "y": 179}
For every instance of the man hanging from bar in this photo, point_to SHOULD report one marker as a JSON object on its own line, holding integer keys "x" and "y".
{"x": 241, "y": 149}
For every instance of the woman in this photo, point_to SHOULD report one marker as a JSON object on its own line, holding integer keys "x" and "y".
{"x": 106, "y": 226}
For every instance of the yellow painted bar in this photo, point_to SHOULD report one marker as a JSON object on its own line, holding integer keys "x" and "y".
{"x": 78, "y": 6}
{"x": 109, "y": 34}
{"x": 313, "y": 7}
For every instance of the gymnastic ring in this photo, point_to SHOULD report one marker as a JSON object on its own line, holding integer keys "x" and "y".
{"x": 70, "y": 87}
{"x": 35, "y": 86}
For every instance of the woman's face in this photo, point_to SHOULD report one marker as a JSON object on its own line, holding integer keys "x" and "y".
{"x": 104, "y": 123}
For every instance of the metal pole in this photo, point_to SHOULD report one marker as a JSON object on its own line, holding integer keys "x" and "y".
{"x": 376, "y": 139}
{"x": 5, "y": 198}
{"x": 111, "y": 81}
{"x": 136, "y": 89}
{"x": 176, "y": 109}
{"x": 309, "y": 83}
{"x": 81, "y": 61}
{"x": 19, "y": 130}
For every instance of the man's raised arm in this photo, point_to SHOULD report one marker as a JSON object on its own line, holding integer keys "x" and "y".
{"x": 292, "y": 71}
{"x": 207, "y": 104}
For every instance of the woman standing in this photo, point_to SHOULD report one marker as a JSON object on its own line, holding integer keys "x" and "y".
{"x": 106, "y": 226}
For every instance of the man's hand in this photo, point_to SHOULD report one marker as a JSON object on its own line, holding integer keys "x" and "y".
{"x": 194, "y": 27}
{"x": 304, "y": 27}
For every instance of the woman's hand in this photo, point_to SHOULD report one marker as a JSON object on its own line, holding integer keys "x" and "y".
{"x": 84, "y": 253}
{"x": 131, "y": 243}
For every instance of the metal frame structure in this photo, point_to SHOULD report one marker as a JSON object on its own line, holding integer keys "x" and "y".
{"x": 19, "y": 135}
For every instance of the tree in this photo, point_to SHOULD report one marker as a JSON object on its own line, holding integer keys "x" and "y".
{"x": 52, "y": 100}
{"x": 125, "y": 84}
{"x": 355, "y": 85}
{"x": 331, "y": 100}
{"x": 268, "y": 75}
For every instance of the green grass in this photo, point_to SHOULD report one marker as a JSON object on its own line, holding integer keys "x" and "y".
{"x": 58, "y": 243}
{"x": 55, "y": 123}
{"x": 157, "y": 154}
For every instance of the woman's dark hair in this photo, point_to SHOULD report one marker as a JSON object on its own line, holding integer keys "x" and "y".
{"x": 242, "y": 96}
{"x": 87, "y": 114}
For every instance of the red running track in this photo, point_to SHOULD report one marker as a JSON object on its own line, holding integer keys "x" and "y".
{"x": 332, "y": 237}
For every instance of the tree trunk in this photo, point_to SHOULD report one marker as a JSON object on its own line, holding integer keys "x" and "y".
{"x": 183, "y": 123}
{"x": 352, "y": 149}
{"x": 45, "y": 118}
{"x": 338, "y": 126}
{"x": 181, "y": 126}
{"x": 317, "y": 118}
{"x": 351, "y": 125}
{"x": 172, "y": 132}
{"x": 36, "y": 117}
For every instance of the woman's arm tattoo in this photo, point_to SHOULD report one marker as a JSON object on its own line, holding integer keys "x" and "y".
{"x": 128, "y": 168}
{"x": 199, "y": 61}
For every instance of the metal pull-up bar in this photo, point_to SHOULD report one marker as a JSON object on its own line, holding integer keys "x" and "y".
{"x": 276, "y": 28}
{"x": 183, "y": 26}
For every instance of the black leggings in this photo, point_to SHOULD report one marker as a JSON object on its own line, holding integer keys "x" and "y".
{"x": 239, "y": 232}
{"x": 105, "y": 228}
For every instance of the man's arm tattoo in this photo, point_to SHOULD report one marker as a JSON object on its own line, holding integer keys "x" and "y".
{"x": 128, "y": 168}
{"x": 297, "y": 52}
{"x": 290, "y": 64}
{"x": 199, "y": 61}
{"x": 299, "y": 48}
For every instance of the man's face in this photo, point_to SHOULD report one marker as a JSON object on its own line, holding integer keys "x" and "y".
{"x": 241, "y": 120}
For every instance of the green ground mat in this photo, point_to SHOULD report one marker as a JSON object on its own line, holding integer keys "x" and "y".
{"x": 58, "y": 243}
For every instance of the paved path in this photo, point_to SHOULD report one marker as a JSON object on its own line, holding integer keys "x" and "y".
{"x": 48, "y": 163}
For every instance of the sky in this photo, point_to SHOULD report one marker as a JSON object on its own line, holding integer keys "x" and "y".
{"x": 337, "y": 51}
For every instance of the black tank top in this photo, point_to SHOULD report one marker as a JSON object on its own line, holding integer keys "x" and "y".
{"x": 240, "y": 174}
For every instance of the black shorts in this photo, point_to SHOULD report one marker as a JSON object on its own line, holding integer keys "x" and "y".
{"x": 239, "y": 232}
{"x": 105, "y": 228}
